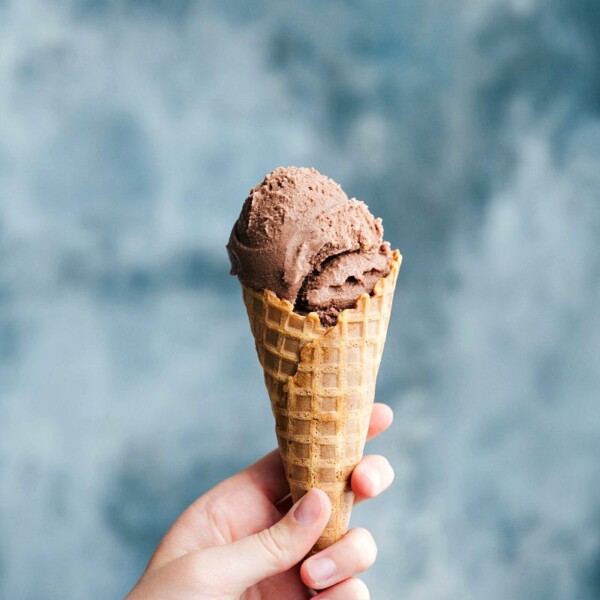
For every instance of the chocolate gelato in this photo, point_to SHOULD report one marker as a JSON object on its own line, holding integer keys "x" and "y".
{"x": 300, "y": 236}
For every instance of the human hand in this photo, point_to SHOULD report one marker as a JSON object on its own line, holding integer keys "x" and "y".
{"x": 233, "y": 544}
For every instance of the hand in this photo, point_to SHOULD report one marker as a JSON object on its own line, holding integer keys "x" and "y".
{"x": 232, "y": 543}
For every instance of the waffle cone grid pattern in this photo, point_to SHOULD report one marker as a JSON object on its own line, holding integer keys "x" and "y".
{"x": 321, "y": 382}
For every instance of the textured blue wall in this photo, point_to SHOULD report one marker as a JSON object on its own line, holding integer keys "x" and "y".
{"x": 130, "y": 132}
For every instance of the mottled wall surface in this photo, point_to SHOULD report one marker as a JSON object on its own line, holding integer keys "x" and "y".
{"x": 130, "y": 132}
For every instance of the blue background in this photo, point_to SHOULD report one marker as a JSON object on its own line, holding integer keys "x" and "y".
{"x": 130, "y": 133}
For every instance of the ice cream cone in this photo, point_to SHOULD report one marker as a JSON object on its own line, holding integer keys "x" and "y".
{"x": 321, "y": 382}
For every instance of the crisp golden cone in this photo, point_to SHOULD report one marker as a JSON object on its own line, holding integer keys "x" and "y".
{"x": 321, "y": 381}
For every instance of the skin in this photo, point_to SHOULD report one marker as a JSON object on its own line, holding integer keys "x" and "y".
{"x": 244, "y": 541}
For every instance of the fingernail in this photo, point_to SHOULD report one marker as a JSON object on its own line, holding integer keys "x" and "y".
{"x": 374, "y": 479}
{"x": 320, "y": 569}
{"x": 309, "y": 508}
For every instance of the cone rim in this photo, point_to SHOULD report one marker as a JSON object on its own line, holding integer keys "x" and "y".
{"x": 347, "y": 313}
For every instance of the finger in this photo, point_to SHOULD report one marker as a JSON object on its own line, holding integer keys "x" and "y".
{"x": 371, "y": 476}
{"x": 269, "y": 552}
{"x": 351, "y": 589}
{"x": 353, "y": 554}
{"x": 381, "y": 418}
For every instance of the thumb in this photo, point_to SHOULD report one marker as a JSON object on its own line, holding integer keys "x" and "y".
{"x": 245, "y": 562}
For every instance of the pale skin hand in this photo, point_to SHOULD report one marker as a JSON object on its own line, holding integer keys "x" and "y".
{"x": 233, "y": 544}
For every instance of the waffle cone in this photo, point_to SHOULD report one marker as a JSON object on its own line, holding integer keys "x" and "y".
{"x": 321, "y": 382}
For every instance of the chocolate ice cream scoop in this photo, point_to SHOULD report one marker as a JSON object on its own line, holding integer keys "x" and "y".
{"x": 300, "y": 236}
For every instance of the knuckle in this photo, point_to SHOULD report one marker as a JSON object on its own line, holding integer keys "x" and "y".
{"x": 275, "y": 545}
{"x": 359, "y": 590}
{"x": 388, "y": 469}
{"x": 385, "y": 469}
{"x": 384, "y": 462}
{"x": 366, "y": 548}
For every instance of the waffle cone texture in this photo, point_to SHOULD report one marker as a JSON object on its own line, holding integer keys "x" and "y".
{"x": 321, "y": 382}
